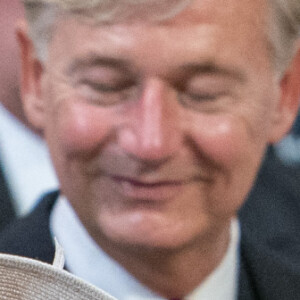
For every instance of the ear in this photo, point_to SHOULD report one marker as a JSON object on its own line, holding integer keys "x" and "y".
{"x": 31, "y": 74}
{"x": 287, "y": 107}
{"x": 288, "y": 104}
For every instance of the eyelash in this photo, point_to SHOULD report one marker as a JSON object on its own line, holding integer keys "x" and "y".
{"x": 204, "y": 96}
{"x": 105, "y": 88}
{"x": 103, "y": 94}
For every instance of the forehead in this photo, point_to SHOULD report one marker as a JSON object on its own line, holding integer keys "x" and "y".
{"x": 204, "y": 25}
{"x": 237, "y": 14}
{"x": 185, "y": 10}
{"x": 211, "y": 11}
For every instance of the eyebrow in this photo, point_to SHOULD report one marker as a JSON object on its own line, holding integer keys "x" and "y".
{"x": 190, "y": 69}
{"x": 211, "y": 68}
{"x": 93, "y": 60}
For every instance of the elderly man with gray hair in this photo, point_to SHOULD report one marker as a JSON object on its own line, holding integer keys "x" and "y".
{"x": 157, "y": 114}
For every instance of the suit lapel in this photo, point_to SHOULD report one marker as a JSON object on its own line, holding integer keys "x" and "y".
{"x": 30, "y": 236}
{"x": 270, "y": 270}
{"x": 247, "y": 289}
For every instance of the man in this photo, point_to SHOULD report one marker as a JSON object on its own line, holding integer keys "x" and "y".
{"x": 25, "y": 168}
{"x": 157, "y": 115}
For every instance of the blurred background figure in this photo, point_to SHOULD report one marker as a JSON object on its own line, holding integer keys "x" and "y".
{"x": 288, "y": 150}
{"x": 25, "y": 170}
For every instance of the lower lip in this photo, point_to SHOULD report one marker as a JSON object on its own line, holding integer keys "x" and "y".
{"x": 151, "y": 192}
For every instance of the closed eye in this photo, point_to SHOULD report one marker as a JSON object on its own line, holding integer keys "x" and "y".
{"x": 203, "y": 96}
{"x": 107, "y": 87}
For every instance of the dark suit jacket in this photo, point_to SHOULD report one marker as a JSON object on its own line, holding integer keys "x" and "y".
{"x": 273, "y": 206}
{"x": 7, "y": 213}
{"x": 265, "y": 273}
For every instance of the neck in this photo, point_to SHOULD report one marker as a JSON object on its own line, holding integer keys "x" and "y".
{"x": 172, "y": 273}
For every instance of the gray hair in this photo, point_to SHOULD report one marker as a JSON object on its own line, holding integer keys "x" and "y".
{"x": 41, "y": 14}
{"x": 282, "y": 33}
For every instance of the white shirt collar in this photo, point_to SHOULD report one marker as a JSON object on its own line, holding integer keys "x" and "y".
{"x": 26, "y": 163}
{"x": 87, "y": 260}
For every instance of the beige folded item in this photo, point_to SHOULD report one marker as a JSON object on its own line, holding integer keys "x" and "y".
{"x": 28, "y": 279}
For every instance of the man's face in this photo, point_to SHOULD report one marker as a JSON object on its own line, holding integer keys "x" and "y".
{"x": 157, "y": 130}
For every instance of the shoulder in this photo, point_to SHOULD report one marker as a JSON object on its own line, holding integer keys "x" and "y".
{"x": 30, "y": 236}
{"x": 270, "y": 226}
{"x": 273, "y": 206}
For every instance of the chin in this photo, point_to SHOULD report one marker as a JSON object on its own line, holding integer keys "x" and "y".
{"x": 136, "y": 240}
{"x": 148, "y": 232}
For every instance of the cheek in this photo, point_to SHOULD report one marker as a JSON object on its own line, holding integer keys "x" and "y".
{"x": 234, "y": 147}
{"x": 81, "y": 127}
{"x": 221, "y": 139}
{"x": 228, "y": 140}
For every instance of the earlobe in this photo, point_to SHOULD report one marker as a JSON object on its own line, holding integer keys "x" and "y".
{"x": 31, "y": 73}
{"x": 287, "y": 107}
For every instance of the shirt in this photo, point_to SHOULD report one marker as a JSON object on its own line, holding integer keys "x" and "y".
{"x": 87, "y": 260}
{"x": 25, "y": 161}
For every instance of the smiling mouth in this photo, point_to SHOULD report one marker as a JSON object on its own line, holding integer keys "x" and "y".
{"x": 155, "y": 191}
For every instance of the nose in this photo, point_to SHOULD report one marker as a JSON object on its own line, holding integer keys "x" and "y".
{"x": 153, "y": 130}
